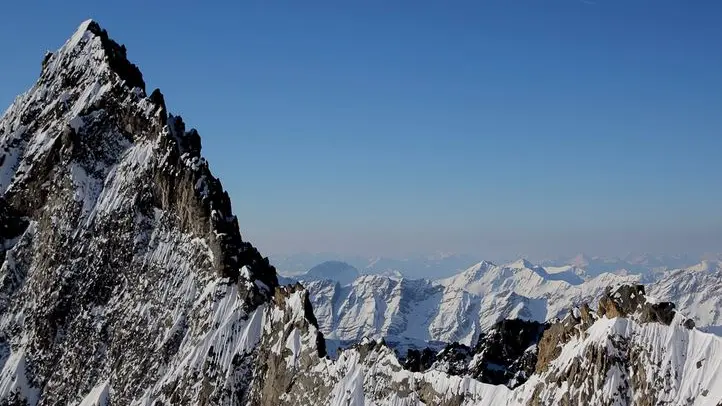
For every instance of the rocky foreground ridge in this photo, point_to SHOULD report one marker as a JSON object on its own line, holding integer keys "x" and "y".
{"x": 124, "y": 280}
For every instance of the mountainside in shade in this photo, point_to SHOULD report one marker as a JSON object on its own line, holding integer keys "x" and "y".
{"x": 505, "y": 355}
{"x": 125, "y": 281}
{"x": 457, "y": 309}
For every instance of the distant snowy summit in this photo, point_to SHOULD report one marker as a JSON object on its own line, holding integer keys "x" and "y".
{"x": 460, "y": 308}
{"x": 443, "y": 265}
{"x": 420, "y": 266}
{"x": 338, "y": 271}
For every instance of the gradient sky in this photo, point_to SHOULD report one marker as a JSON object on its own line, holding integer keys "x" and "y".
{"x": 500, "y": 128}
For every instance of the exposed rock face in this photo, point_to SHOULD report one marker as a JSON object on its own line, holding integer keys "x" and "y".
{"x": 560, "y": 333}
{"x": 505, "y": 355}
{"x": 291, "y": 344}
{"x": 626, "y": 300}
{"x": 631, "y": 301}
{"x": 116, "y": 241}
{"x": 12, "y": 225}
{"x": 642, "y": 373}
{"x": 419, "y": 360}
{"x": 696, "y": 291}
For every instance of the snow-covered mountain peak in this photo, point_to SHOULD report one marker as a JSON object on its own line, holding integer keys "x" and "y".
{"x": 475, "y": 271}
{"x": 520, "y": 263}
{"x": 90, "y": 51}
{"x": 339, "y": 271}
{"x": 124, "y": 257}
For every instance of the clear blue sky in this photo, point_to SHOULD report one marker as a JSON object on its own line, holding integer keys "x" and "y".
{"x": 498, "y": 128}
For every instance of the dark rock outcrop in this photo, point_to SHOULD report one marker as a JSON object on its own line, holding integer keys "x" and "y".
{"x": 508, "y": 352}
{"x": 117, "y": 58}
{"x": 627, "y": 301}
{"x": 505, "y": 355}
{"x": 630, "y": 300}
{"x": 419, "y": 360}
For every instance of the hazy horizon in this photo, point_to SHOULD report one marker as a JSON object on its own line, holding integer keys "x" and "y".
{"x": 440, "y": 265}
{"x": 501, "y": 129}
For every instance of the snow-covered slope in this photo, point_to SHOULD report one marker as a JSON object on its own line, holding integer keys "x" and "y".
{"x": 697, "y": 291}
{"x": 621, "y": 362}
{"x": 457, "y": 309}
{"x": 633, "y": 351}
{"x": 461, "y": 307}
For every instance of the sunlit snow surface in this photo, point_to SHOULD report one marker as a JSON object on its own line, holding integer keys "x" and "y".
{"x": 458, "y": 308}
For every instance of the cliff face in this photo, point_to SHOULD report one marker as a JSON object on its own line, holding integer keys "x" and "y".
{"x": 117, "y": 243}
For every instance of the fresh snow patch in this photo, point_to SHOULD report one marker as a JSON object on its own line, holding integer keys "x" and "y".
{"x": 12, "y": 379}
{"x": 98, "y": 396}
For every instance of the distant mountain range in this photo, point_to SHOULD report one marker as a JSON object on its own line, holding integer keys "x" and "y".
{"x": 632, "y": 263}
{"x": 410, "y": 312}
{"x": 429, "y": 266}
{"x": 442, "y": 265}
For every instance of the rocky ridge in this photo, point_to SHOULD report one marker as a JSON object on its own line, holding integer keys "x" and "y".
{"x": 117, "y": 241}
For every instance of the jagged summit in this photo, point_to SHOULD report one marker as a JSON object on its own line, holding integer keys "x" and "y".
{"x": 90, "y": 103}
{"x": 91, "y": 34}
{"x": 119, "y": 247}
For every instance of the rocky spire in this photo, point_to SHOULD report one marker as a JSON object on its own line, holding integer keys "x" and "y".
{"x": 119, "y": 247}
{"x": 88, "y": 78}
